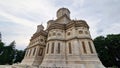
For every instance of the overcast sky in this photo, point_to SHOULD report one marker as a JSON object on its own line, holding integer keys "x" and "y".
{"x": 19, "y": 18}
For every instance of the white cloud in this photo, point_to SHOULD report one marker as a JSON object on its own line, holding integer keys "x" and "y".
{"x": 77, "y": 3}
{"x": 92, "y": 22}
{"x": 112, "y": 29}
{"x": 20, "y": 12}
{"x": 39, "y": 8}
{"x": 17, "y": 20}
{"x": 102, "y": 16}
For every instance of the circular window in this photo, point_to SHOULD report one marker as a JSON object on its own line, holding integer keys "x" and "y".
{"x": 80, "y": 32}
{"x": 86, "y": 32}
{"x": 54, "y": 34}
{"x": 59, "y": 34}
{"x": 41, "y": 40}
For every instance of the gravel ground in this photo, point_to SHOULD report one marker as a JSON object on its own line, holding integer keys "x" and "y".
{"x": 5, "y": 66}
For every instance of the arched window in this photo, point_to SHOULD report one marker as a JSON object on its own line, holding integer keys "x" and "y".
{"x": 84, "y": 48}
{"x": 58, "y": 48}
{"x": 40, "y": 52}
{"x": 34, "y": 51}
{"x": 48, "y": 48}
{"x": 52, "y": 49}
{"x": 29, "y": 52}
{"x": 90, "y": 47}
{"x": 70, "y": 49}
{"x": 49, "y": 35}
{"x": 26, "y": 52}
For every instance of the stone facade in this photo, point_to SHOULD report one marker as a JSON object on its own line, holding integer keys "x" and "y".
{"x": 65, "y": 43}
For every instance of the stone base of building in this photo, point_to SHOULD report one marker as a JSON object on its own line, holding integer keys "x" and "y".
{"x": 23, "y": 66}
{"x": 85, "y": 65}
{"x": 35, "y": 61}
{"x": 75, "y": 66}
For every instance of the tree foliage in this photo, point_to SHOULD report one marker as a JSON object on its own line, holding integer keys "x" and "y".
{"x": 108, "y": 49}
{"x": 10, "y": 55}
{"x": 19, "y": 56}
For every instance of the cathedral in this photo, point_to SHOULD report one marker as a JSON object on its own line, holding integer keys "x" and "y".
{"x": 65, "y": 43}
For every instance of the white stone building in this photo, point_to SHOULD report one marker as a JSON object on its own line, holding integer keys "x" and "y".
{"x": 65, "y": 43}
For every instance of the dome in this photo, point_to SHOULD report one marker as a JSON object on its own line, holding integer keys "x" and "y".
{"x": 40, "y": 27}
{"x": 50, "y": 21}
{"x": 63, "y": 11}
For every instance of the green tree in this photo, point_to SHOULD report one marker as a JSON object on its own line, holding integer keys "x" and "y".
{"x": 108, "y": 49}
{"x": 19, "y": 56}
{"x": 113, "y": 44}
{"x": 9, "y": 54}
{"x": 1, "y": 52}
{"x": 1, "y": 47}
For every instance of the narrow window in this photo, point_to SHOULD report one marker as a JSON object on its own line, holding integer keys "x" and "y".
{"x": 52, "y": 49}
{"x": 40, "y": 52}
{"x": 54, "y": 34}
{"x": 29, "y": 52}
{"x": 58, "y": 47}
{"x": 34, "y": 51}
{"x": 26, "y": 52}
{"x": 48, "y": 48}
{"x": 90, "y": 47}
{"x": 49, "y": 35}
{"x": 84, "y": 48}
{"x": 70, "y": 49}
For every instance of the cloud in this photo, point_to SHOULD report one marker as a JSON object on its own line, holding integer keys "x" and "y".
{"x": 33, "y": 9}
{"x": 19, "y": 18}
{"x": 112, "y": 29}
{"x": 76, "y": 3}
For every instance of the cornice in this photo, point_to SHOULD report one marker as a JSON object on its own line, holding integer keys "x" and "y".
{"x": 68, "y": 39}
{"x": 56, "y": 26}
{"x": 43, "y": 33}
{"x": 72, "y": 23}
{"x": 77, "y": 23}
{"x": 35, "y": 45}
